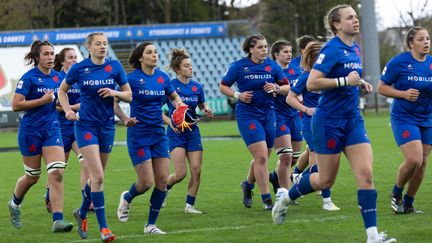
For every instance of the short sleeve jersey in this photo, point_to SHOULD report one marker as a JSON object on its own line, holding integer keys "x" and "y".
{"x": 33, "y": 85}
{"x": 405, "y": 72}
{"x": 310, "y": 98}
{"x": 149, "y": 93}
{"x": 281, "y": 107}
{"x": 335, "y": 60}
{"x": 251, "y": 76}
{"x": 90, "y": 78}
{"x": 74, "y": 96}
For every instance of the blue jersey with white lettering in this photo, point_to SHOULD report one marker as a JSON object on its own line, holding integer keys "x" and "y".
{"x": 335, "y": 60}
{"x": 149, "y": 93}
{"x": 191, "y": 94}
{"x": 281, "y": 107}
{"x": 405, "y": 72}
{"x": 251, "y": 76}
{"x": 33, "y": 85}
{"x": 74, "y": 96}
{"x": 90, "y": 78}
{"x": 310, "y": 98}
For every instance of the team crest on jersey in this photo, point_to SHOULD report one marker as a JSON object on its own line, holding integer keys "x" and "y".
{"x": 108, "y": 68}
{"x": 160, "y": 80}
{"x": 357, "y": 51}
{"x": 267, "y": 68}
{"x": 55, "y": 78}
{"x": 194, "y": 88}
{"x": 320, "y": 58}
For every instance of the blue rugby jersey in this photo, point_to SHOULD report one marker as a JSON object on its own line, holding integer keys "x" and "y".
{"x": 90, "y": 78}
{"x": 33, "y": 85}
{"x": 191, "y": 94}
{"x": 337, "y": 59}
{"x": 310, "y": 99}
{"x": 295, "y": 62}
{"x": 281, "y": 107}
{"x": 149, "y": 92}
{"x": 251, "y": 76}
{"x": 74, "y": 96}
{"x": 405, "y": 72}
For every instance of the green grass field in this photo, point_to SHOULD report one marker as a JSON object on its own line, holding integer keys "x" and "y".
{"x": 225, "y": 219}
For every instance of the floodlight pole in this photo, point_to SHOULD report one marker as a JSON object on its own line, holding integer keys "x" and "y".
{"x": 371, "y": 56}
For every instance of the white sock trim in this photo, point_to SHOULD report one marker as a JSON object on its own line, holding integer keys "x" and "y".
{"x": 372, "y": 231}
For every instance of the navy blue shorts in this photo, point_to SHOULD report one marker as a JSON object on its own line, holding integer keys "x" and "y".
{"x": 255, "y": 130}
{"x": 68, "y": 136}
{"x": 404, "y": 132}
{"x": 102, "y": 135}
{"x": 289, "y": 125}
{"x": 31, "y": 141}
{"x": 189, "y": 140}
{"x": 147, "y": 146}
{"x": 332, "y": 135}
{"x": 307, "y": 132}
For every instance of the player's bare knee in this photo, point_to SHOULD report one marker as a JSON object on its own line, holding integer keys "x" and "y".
{"x": 144, "y": 185}
{"x": 413, "y": 160}
{"x": 196, "y": 171}
{"x": 260, "y": 159}
{"x": 56, "y": 175}
{"x": 97, "y": 180}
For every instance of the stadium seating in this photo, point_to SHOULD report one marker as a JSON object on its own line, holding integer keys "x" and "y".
{"x": 210, "y": 58}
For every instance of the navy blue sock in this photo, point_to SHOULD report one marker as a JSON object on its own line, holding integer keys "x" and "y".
{"x": 313, "y": 168}
{"x": 325, "y": 193}
{"x": 274, "y": 176}
{"x": 302, "y": 188}
{"x": 16, "y": 200}
{"x": 249, "y": 186}
{"x": 99, "y": 207}
{"x": 264, "y": 197}
{"x": 47, "y": 198}
{"x": 57, "y": 216}
{"x": 169, "y": 186}
{"x": 397, "y": 191}
{"x": 297, "y": 170}
{"x": 408, "y": 201}
{"x": 367, "y": 204}
{"x": 132, "y": 193}
{"x": 87, "y": 199}
{"x": 190, "y": 200}
{"x": 156, "y": 201}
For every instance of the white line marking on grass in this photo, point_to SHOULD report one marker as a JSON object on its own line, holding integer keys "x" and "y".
{"x": 221, "y": 228}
